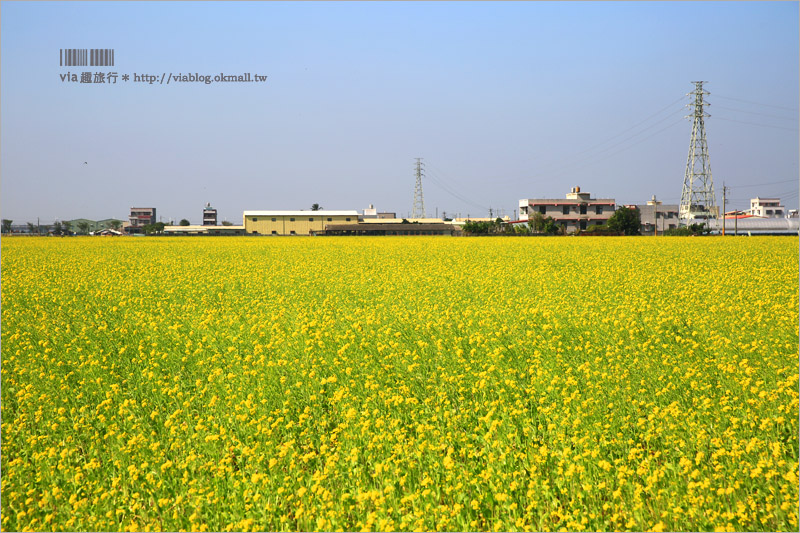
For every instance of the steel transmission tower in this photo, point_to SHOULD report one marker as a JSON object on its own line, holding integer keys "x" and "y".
{"x": 419, "y": 200}
{"x": 697, "y": 199}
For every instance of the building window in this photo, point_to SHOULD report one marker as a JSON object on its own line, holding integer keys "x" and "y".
{"x": 292, "y": 232}
{"x": 274, "y": 232}
{"x": 543, "y": 209}
{"x": 565, "y": 210}
{"x": 598, "y": 209}
{"x": 255, "y": 219}
{"x": 274, "y": 219}
{"x": 291, "y": 220}
{"x": 347, "y": 220}
{"x": 311, "y": 220}
{"x": 583, "y": 210}
{"x": 329, "y": 219}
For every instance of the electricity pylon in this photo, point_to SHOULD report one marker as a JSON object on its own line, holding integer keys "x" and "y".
{"x": 419, "y": 201}
{"x": 697, "y": 198}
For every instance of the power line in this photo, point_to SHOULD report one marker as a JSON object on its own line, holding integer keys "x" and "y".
{"x": 606, "y": 149}
{"x": 452, "y": 193}
{"x": 755, "y": 124}
{"x": 636, "y": 125}
{"x": 590, "y": 162}
{"x": 572, "y": 159}
{"x": 754, "y": 113}
{"x": 762, "y": 184}
{"x": 439, "y": 181}
{"x": 754, "y": 103}
{"x": 576, "y": 164}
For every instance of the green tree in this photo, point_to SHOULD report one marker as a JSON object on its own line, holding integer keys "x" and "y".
{"x": 66, "y": 227}
{"x": 84, "y": 227}
{"x": 596, "y": 229}
{"x": 58, "y": 229}
{"x": 542, "y": 224}
{"x": 185, "y": 222}
{"x": 226, "y": 223}
{"x": 31, "y": 228}
{"x": 479, "y": 228}
{"x": 154, "y": 229}
{"x": 691, "y": 229}
{"x": 7, "y": 225}
{"x": 316, "y": 207}
{"x": 626, "y": 220}
{"x": 115, "y": 224}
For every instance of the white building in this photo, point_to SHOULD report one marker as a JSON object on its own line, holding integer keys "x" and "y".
{"x": 766, "y": 207}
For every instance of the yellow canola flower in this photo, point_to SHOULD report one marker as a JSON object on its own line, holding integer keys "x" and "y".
{"x": 398, "y": 384}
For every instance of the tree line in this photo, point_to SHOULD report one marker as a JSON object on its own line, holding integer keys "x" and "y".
{"x": 624, "y": 221}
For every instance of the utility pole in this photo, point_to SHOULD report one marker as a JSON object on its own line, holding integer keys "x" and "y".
{"x": 697, "y": 198}
{"x": 419, "y": 201}
{"x": 724, "y": 201}
{"x": 655, "y": 218}
{"x": 655, "y": 203}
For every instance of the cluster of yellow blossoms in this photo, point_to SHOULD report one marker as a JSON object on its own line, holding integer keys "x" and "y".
{"x": 400, "y": 383}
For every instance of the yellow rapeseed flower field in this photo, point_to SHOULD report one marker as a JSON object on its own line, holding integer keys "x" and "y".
{"x": 400, "y": 384}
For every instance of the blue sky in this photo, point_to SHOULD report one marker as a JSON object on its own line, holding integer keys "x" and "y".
{"x": 502, "y": 100}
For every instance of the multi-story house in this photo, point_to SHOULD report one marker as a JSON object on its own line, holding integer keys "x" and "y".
{"x": 575, "y": 212}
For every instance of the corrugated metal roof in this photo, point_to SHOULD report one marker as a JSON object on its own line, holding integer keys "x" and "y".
{"x": 393, "y": 227}
{"x": 757, "y": 224}
{"x": 197, "y": 227}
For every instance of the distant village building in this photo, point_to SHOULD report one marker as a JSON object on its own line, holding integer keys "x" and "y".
{"x": 577, "y": 211}
{"x": 140, "y": 217}
{"x": 657, "y": 217}
{"x": 388, "y": 220}
{"x": 204, "y": 230}
{"x": 766, "y": 207}
{"x": 209, "y": 215}
{"x": 295, "y": 222}
{"x": 93, "y": 226}
{"x": 370, "y": 214}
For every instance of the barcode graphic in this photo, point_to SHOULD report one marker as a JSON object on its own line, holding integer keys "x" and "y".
{"x": 82, "y": 57}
